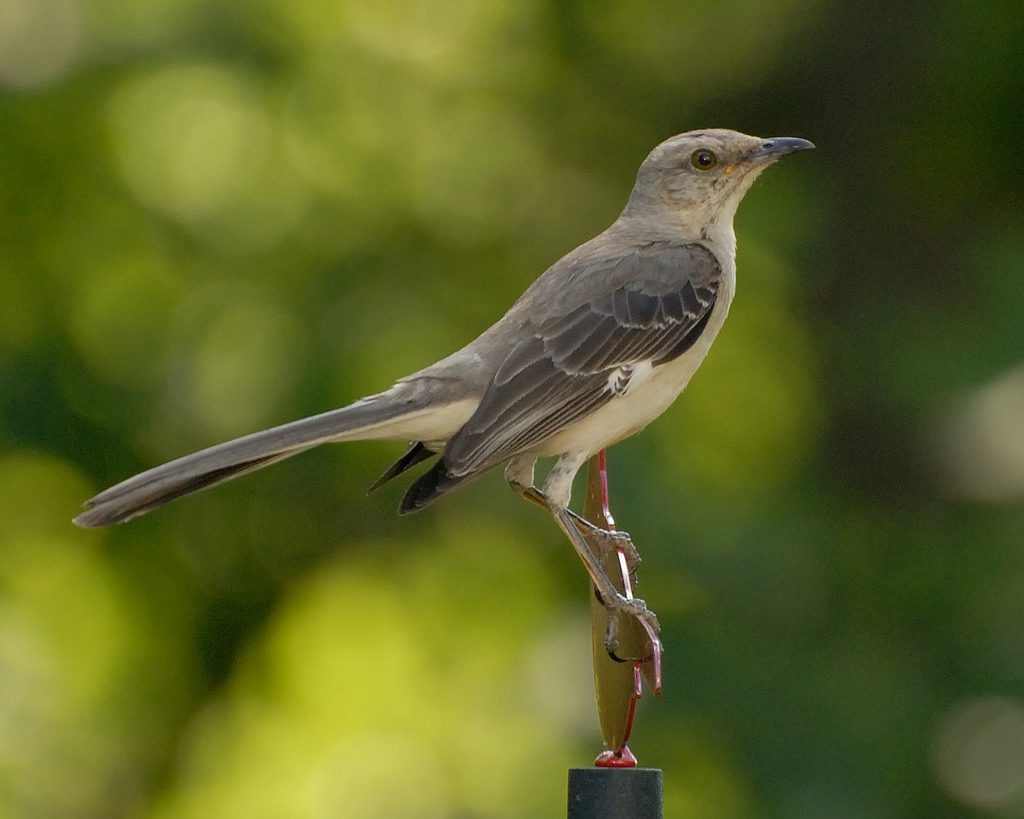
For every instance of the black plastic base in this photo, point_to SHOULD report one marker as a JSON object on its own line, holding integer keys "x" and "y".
{"x": 615, "y": 793}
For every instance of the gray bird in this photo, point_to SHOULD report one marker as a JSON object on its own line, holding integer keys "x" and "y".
{"x": 594, "y": 350}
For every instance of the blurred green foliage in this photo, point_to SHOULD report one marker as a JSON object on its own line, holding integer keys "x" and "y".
{"x": 216, "y": 216}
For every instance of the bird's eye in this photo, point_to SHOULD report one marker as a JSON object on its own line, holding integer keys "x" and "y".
{"x": 703, "y": 159}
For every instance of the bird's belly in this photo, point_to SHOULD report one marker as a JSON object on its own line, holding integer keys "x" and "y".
{"x": 624, "y": 415}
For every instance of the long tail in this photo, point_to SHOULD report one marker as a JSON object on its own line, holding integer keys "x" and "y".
{"x": 386, "y": 415}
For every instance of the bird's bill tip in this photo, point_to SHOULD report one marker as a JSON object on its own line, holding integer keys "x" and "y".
{"x": 775, "y": 147}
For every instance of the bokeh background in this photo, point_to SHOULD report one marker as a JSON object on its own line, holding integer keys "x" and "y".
{"x": 218, "y": 216}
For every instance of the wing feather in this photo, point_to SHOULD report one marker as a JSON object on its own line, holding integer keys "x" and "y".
{"x": 659, "y": 299}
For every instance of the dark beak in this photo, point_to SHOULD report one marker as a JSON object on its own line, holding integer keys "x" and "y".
{"x": 775, "y": 147}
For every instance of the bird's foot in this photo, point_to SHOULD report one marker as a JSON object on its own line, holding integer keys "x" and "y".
{"x": 606, "y": 541}
{"x": 593, "y": 544}
{"x": 619, "y": 606}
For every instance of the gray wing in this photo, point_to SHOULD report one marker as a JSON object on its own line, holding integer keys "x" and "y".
{"x": 650, "y": 306}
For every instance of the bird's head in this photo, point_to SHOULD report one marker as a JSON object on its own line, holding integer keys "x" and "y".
{"x": 700, "y": 177}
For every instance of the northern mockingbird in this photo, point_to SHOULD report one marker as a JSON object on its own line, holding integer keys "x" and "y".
{"x": 592, "y": 352}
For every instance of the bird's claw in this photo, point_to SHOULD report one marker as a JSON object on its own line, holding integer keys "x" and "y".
{"x": 607, "y": 541}
{"x": 618, "y": 606}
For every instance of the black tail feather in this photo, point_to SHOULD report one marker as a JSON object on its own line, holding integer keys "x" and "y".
{"x": 415, "y": 454}
{"x": 430, "y": 486}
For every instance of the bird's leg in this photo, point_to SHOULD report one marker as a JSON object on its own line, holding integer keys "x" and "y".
{"x": 519, "y": 474}
{"x": 583, "y": 534}
{"x": 612, "y": 599}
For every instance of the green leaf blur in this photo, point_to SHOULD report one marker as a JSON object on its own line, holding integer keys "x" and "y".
{"x": 218, "y": 216}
